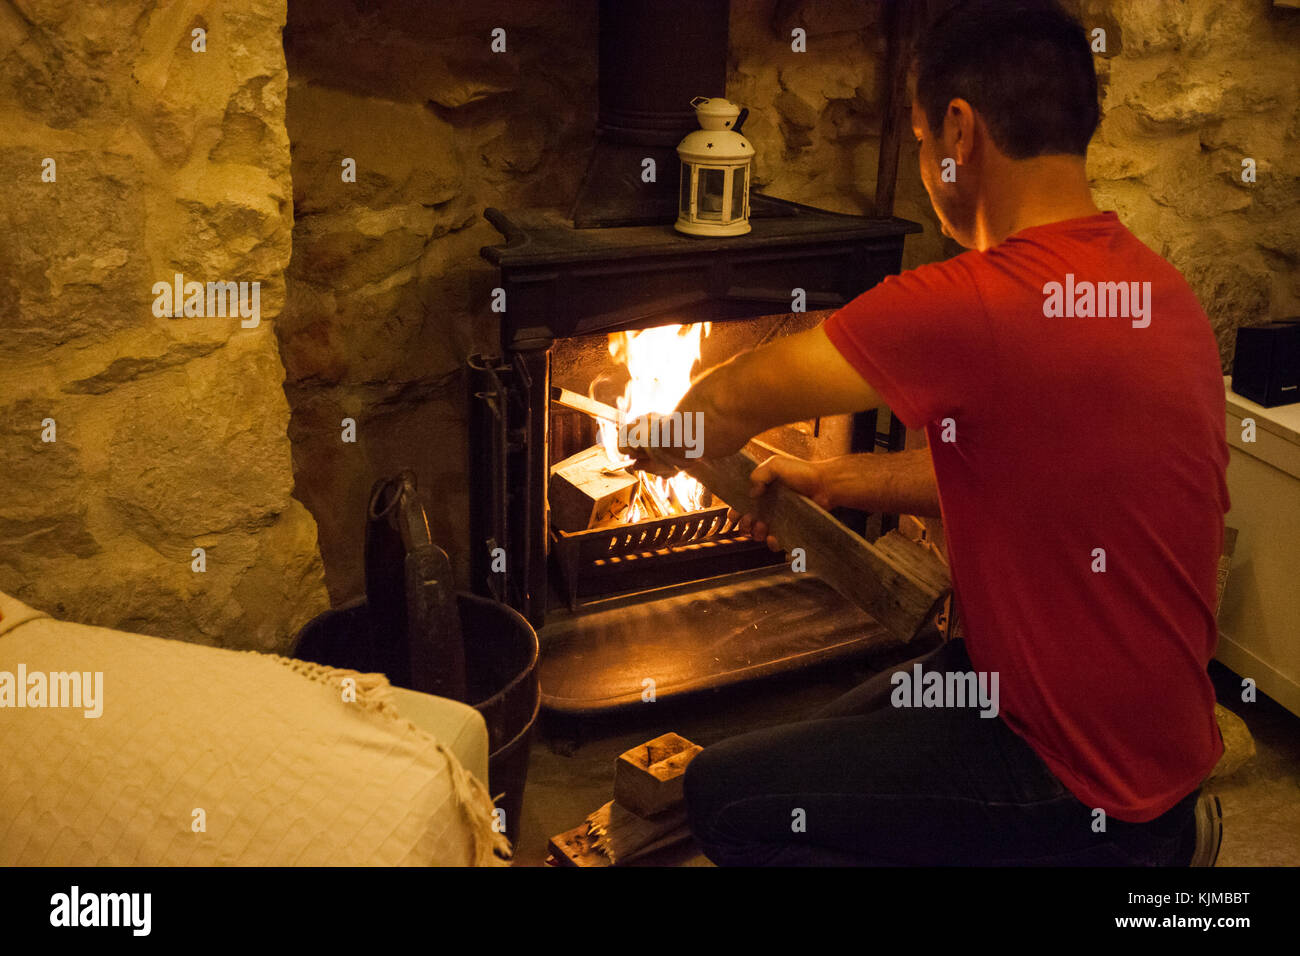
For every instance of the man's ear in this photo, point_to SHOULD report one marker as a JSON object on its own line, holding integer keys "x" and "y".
{"x": 959, "y": 130}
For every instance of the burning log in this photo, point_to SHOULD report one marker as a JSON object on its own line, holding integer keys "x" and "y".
{"x": 653, "y": 503}
{"x": 652, "y": 498}
{"x": 588, "y": 490}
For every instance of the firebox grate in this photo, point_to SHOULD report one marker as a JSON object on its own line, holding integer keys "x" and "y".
{"x": 649, "y": 554}
{"x": 649, "y": 535}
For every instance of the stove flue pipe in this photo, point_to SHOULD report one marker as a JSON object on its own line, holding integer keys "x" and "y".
{"x": 655, "y": 57}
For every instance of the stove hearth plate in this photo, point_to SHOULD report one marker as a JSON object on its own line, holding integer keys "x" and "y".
{"x": 707, "y": 635}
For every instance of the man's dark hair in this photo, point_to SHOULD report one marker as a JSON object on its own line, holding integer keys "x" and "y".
{"x": 1024, "y": 65}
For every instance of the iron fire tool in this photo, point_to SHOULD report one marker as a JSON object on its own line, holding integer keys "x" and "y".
{"x": 416, "y": 634}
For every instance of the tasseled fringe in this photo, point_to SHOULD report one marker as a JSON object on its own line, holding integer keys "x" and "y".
{"x": 491, "y": 848}
{"x": 375, "y": 695}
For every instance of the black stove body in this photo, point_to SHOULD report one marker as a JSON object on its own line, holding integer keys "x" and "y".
{"x": 560, "y": 282}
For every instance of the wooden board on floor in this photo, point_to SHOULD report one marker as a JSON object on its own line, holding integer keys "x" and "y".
{"x": 575, "y": 847}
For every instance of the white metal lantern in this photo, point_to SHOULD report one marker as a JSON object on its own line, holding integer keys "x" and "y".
{"x": 716, "y": 160}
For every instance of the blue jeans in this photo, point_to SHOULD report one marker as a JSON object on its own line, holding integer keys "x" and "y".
{"x": 866, "y": 783}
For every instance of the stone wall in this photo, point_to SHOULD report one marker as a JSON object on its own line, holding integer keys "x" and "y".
{"x": 815, "y": 116}
{"x": 168, "y": 434}
{"x": 1190, "y": 88}
{"x": 387, "y": 294}
{"x": 171, "y": 433}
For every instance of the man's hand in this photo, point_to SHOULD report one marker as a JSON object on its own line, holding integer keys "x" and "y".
{"x": 646, "y": 455}
{"x": 667, "y": 444}
{"x": 805, "y": 477}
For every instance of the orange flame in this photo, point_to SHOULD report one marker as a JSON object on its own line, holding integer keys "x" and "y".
{"x": 660, "y": 362}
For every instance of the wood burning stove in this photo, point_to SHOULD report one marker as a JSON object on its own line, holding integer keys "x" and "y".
{"x": 562, "y": 283}
{"x": 565, "y": 289}
{"x": 563, "y": 286}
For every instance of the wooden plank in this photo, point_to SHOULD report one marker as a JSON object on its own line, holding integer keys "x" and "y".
{"x": 623, "y": 835}
{"x": 576, "y": 847}
{"x": 916, "y": 558}
{"x": 898, "y": 583}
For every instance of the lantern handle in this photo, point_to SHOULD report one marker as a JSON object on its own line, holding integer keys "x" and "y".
{"x": 740, "y": 120}
{"x": 698, "y": 100}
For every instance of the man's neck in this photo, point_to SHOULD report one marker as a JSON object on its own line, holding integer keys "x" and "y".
{"x": 1031, "y": 192}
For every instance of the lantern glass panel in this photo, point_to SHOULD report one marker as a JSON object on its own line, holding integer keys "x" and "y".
{"x": 738, "y": 178}
{"x": 684, "y": 204}
{"x": 708, "y": 204}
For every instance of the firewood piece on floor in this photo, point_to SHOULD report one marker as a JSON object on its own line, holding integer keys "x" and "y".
{"x": 575, "y": 848}
{"x": 648, "y": 778}
{"x": 586, "y": 489}
{"x": 623, "y": 835}
{"x": 898, "y": 582}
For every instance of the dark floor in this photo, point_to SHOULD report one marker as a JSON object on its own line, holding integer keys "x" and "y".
{"x": 1261, "y": 801}
{"x": 572, "y": 764}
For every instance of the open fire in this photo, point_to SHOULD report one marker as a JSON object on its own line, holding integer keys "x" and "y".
{"x": 595, "y": 488}
{"x": 660, "y": 362}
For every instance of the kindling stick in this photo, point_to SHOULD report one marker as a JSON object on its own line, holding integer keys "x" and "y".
{"x": 581, "y": 403}
{"x": 895, "y": 580}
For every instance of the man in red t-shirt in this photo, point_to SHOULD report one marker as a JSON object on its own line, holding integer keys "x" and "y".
{"x": 1069, "y": 387}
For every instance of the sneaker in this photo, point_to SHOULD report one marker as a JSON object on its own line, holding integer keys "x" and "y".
{"x": 1209, "y": 830}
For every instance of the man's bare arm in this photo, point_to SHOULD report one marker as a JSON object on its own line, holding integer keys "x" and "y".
{"x": 900, "y": 482}
{"x": 794, "y": 378}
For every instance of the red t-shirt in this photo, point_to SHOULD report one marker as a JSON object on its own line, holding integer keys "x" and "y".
{"x": 1071, "y": 433}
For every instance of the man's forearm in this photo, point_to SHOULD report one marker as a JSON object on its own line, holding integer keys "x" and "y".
{"x": 793, "y": 378}
{"x": 900, "y": 482}
{"x": 743, "y": 393}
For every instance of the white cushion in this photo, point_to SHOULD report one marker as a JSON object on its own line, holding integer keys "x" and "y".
{"x": 206, "y": 756}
